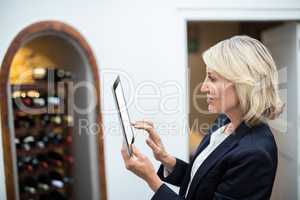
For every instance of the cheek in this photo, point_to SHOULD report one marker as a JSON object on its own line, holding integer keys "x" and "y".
{"x": 215, "y": 90}
{"x": 230, "y": 98}
{"x": 226, "y": 97}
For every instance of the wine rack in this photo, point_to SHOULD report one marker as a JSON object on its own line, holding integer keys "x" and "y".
{"x": 43, "y": 136}
{"x": 79, "y": 158}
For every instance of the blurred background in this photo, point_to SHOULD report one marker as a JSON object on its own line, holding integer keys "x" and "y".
{"x": 60, "y": 133}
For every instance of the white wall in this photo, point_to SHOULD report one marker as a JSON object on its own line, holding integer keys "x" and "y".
{"x": 141, "y": 38}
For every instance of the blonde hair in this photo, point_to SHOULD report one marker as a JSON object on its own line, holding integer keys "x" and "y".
{"x": 249, "y": 65}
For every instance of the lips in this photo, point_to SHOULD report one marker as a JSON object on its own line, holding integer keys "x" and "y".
{"x": 209, "y": 99}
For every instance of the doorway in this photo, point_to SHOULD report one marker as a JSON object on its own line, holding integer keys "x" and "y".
{"x": 203, "y": 34}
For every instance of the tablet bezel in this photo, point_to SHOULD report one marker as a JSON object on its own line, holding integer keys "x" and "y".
{"x": 115, "y": 85}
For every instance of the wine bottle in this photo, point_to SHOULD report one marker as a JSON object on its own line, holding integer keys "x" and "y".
{"x": 56, "y": 119}
{"x": 40, "y": 144}
{"x": 43, "y": 161}
{"x": 24, "y": 164}
{"x": 20, "y": 165}
{"x": 53, "y": 101}
{"x": 17, "y": 98}
{"x": 69, "y": 159}
{"x": 42, "y": 73}
{"x": 28, "y": 142}
{"x": 38, "y": 102}
{"x": 55, "y": 158}
{"x": 56, "y": 179}
{"x": 68, "y": 119}
{"x": 61, "y": 74}
{"x": 43, "y": 182}
{"x": 28, "y": 185}
{"x": 31, "y": 98}
{"x": 24, "y": 122}
{"x": 33, "y": 94}
{"x": 39, "y": 73}
{"x": 27, "y": 101}
{"x": 17, "y": 143}
{"x": 20, "y": 97}
{"x": 68, "y": 139}
{"x": 55, "y": 138}
{"x": 45, "y": 119}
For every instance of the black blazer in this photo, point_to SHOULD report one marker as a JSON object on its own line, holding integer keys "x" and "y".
{"x": 242, "y": 167}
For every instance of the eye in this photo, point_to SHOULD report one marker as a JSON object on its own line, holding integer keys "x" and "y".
{"x": 212, "y": 79}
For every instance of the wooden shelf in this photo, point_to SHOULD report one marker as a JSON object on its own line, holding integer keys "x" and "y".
{"x": 35, "y": 151}
{"x": 38, "y": 111}
{"x": 19, "y": 132}
{"x": 39, "y": 171}
{"x": 52, "y": 188}
{"x": 40, "y": 85}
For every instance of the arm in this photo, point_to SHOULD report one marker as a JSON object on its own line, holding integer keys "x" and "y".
{"x": 140, "y": 165}
{"x": 175, "y": 168}
{"x": 251, "y": 177}
{"x": 176, "y": 175}
{"x": 166, "y": 193}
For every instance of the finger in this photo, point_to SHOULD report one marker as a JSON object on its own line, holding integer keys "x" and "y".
{"x": 148, "y": 122}
{"x": 141, "y": 125}
{"x": 136, "y": 152}
{"x": 152, "y": 145}
{"x": 125, "y": 155}
{"x": 144, "y": 126}
{"x": 149, "y": 129}
{"x": 124, "y": 150}
{"x": 127, "y": 160}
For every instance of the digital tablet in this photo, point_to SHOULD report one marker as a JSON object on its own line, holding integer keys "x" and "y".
{"x": 123, "y": 114}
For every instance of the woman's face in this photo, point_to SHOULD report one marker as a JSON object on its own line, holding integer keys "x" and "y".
{"x": 221, "y": 93}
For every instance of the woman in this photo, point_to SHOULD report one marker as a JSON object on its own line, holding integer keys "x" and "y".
{"x": 237, "y": 159}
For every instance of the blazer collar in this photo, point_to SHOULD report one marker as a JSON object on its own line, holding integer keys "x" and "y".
{"x": 219, "y": 122}
{"x": 230, "y": 142}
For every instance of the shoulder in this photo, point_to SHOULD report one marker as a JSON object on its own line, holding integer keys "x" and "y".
{"x": 253, "y": 161}
{"x": 258, "y": 144}
{"x": 252, "y": 155}
{"x": 259, "y": 137}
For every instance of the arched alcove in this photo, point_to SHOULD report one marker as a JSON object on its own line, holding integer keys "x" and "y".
{"x": 56, "y": 44}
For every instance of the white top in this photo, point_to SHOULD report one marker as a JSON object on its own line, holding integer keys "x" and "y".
{"x": 216, "y": 139}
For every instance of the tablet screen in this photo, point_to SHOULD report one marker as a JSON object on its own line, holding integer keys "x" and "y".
{"x": 123, "y": 113}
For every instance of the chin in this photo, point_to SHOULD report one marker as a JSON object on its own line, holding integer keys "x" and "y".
{"x": 212, "y": 109}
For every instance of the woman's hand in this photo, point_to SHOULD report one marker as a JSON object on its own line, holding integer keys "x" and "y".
{"x": 140, "y": 165}
{"x": 155, "y": 143}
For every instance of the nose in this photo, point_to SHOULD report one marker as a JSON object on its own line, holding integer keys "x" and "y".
{"x": 204, "y": 88}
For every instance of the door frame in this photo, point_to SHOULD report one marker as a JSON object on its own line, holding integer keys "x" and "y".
{"x": 205, "y": 12}
{"x": 195, "y": 11}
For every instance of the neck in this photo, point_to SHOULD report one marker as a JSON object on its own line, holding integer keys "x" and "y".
{"x": 235, "y": 116}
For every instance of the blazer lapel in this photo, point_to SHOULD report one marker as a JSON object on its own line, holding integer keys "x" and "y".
{"x": 220, "y": 121}
{"x": 187, "y": 176}
{"x": 229, "y": 143}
